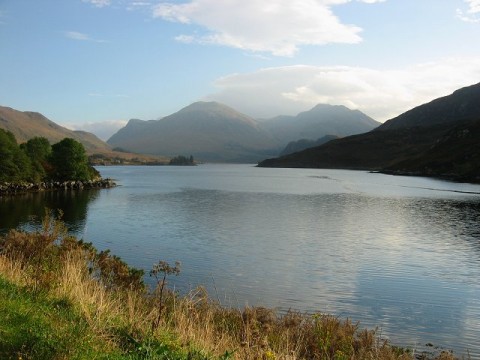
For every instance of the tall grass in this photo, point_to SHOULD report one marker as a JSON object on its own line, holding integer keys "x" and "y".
{"x": 133, "y": 322}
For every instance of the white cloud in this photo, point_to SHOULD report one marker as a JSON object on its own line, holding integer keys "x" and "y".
{"x": 276, "y": 26}
{"x": 98, "y": 3}
{"x": 134, "y": 5}
{"x": 473, "y": 6}
{"x": 472, "y": 12}
{"x": 103, "y": 129}
{"x": 381, "y": 94}
{"x": 75, "y": 35}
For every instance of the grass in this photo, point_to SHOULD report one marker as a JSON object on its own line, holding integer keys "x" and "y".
{"x": 62, "y": 299}
{"x": 36, "y": 326}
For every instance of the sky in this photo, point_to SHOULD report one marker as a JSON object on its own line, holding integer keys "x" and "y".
{"x": 95, "y": 64}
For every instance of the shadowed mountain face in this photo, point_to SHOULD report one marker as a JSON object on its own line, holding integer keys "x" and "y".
{"x": 440, "y": 138}
{"x": 26, "y": 125}
{"x": 302, "y": 144}
{"x": 214, "y": 132}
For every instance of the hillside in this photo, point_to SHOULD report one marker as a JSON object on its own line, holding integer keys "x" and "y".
{"x": 417, "y": 145}
{"x": 463, "y": 104}
{"x": 455, "y": 155}
{"x": 26, "y": 125}
{"x": 207, "y": 130}
{"x": 318, "y": 122}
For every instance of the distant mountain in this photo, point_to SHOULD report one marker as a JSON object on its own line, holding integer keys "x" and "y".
{"x": 302, "y": 144}
{"x": 209, "y": 131}
{"x": 440, "y": 139}
{"x": 320, "y": 121}
{"x": 26, "y": 125}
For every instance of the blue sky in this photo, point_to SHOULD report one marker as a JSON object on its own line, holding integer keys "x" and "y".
{"x": 95, "y": 64}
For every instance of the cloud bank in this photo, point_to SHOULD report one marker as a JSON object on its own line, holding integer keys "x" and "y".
{"x": 278, "y": 27}
{"x": 381, "y": 94}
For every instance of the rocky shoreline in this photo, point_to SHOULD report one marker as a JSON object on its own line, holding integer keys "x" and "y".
{"x": 24, "y": 187}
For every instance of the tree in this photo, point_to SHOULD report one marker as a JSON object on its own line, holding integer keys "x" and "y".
{"x": 14, "y": 163}
{"x": 182, "y": 160}
{"x": 38, "y": 149}
{"x": 69, "y": 161}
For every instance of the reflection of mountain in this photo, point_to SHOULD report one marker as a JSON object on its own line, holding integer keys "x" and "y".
{"x": 28, "y": 209}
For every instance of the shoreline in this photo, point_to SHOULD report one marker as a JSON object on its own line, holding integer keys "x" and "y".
{"x": 9, "y": 189}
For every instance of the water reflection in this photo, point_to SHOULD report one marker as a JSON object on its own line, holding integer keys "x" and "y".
{"x": 399, "y": 253}
{"x": 27, "y": 210}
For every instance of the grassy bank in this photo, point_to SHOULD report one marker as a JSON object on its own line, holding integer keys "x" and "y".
{"x": 62, "y": 299}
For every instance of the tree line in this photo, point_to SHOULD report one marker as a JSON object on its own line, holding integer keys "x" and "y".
{"x": 37, "y": 160}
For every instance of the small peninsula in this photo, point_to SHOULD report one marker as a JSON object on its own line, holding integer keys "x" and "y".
{"x": 36, "y": 165}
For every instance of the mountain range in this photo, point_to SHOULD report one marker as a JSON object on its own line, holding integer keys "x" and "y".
{"x": 211, "y": 131}
{"x": 440, "y": 138}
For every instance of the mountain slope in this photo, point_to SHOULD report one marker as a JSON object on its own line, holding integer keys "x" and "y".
{"x": 207, "y": 130}
{"x": 26, "y": 125}
{"x": 320, "y": 121}
{"x": 463, "y": 104}
{"x": 455, "y": 155}
{"x": 433, "y": 145}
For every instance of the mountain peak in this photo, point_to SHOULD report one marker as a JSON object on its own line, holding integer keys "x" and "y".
{"x": 209, "y": 106}
{"x": 322, "y": 107}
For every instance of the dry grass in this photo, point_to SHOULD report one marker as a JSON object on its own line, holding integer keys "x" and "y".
{"x": 193, "y": 321}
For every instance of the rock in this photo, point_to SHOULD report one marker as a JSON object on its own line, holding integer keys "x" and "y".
{"x": 18, "y": 188}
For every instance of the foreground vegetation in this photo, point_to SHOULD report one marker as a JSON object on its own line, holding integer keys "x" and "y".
{"x": 60, "y": 298}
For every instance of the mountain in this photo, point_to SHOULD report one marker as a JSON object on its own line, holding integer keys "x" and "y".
{"x": 320, "y": 121}
{"x": 26, "y": 125}
{"x": 463, "y": 104}
{"x": 435, "y": 139}
{"x": 302, "y": 144}
{"x": 209, "y": 131}
{"x": 455, "y": 155}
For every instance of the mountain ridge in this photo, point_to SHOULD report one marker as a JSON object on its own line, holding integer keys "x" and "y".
{"x": 319, "y": 121}
{"x": 28, "y": 124}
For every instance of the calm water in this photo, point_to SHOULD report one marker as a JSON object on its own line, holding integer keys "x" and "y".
{"x": 398, "y": 253}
